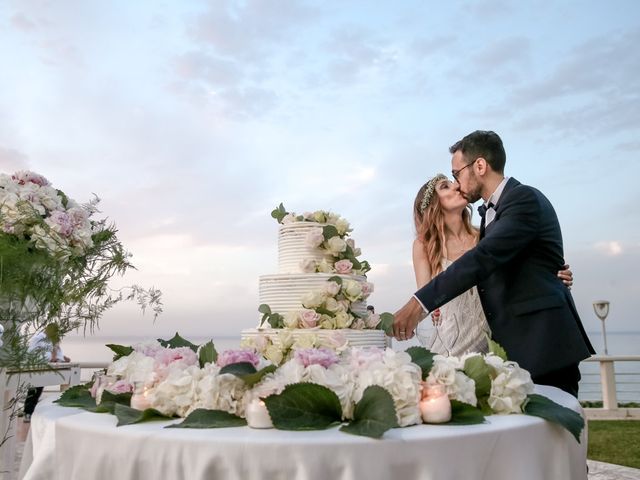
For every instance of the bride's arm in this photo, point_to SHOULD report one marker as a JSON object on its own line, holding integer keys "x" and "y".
{"x": 420, "y": 264}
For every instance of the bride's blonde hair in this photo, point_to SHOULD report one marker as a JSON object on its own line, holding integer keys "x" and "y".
{"x": 429, "y": 222}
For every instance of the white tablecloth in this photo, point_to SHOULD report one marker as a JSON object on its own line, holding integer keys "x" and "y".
{"x": 68, "y": 443}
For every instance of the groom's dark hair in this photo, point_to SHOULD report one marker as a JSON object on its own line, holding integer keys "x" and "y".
{"x": 485, "y": 144}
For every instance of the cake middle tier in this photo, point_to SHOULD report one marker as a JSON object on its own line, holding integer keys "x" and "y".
{"x": 283, "y": 293}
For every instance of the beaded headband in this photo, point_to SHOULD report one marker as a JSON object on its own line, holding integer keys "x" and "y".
{"x": 428, "y": 191}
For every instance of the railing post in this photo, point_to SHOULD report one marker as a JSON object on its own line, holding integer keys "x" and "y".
{"x": 608, "y": 381}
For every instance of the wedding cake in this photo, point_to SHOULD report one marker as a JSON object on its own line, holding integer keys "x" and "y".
{"x": 319, "y": 295}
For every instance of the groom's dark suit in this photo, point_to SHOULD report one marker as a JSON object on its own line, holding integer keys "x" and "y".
{"x": 530, "y": 311}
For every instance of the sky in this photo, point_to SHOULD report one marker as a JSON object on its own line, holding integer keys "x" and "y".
{"x": 192, "y": 120}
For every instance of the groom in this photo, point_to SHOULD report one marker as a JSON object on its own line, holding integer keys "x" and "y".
{"x": 530, "y": 311}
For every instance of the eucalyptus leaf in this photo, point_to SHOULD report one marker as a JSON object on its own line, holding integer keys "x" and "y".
{"x": 374, "y": 414}
{"x": 543, "y": 407}
{"x": 324, "y": 311}
{"x": 176, "y": 342}
{"x": 477, "y": 369}
{"x": 279, "y": 213}
{"x": 423, "y": 358}
{"x": 207, "y": 354}
{"x": 202, "y": 418}
{"x": 129, "y": 416}
{"x": 465, "y": 414}
{"x": 304, "y": 406}
{"x": 276, "y": 320}
{"x": 264, "y": 308}
{"x": 238, "y": 369}
{"x": 336, "y": 278}
{"x": 120, "y": 350}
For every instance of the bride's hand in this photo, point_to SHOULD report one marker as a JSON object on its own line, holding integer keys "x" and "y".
{"x": 566, "y": 275}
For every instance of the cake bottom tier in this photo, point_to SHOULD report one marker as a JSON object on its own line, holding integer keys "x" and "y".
{"x": 355, "y": 338}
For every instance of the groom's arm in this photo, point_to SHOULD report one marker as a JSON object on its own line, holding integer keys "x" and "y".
{"x": 512, "y": 232}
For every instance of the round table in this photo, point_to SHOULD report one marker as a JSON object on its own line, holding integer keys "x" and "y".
{"x": 68, "y": 443}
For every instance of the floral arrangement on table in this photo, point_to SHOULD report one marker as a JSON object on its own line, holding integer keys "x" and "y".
{"x": 366, "y": 391}
{"x": 330, "y": 308}
{"x": 56, "y": 260}
{"x": 330, "y": 238}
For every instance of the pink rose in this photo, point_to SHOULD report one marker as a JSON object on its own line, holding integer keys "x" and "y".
{"x": 316, "y": 356}
{"x": 229, "y": 357}
{"x": 309, "y": 318}
{"x": 367, "y": 289}
{"x": 343, "y": 267}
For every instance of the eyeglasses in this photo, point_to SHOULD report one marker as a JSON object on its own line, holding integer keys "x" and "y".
{"x": 455, "y": 173}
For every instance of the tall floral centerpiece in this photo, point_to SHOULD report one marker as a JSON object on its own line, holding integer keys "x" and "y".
{"x": 56, "y": 260}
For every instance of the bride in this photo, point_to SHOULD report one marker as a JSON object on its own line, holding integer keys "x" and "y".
{"x": 444, "y": 233}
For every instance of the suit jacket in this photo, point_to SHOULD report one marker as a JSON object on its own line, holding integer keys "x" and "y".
{"x": 515, "y": 264}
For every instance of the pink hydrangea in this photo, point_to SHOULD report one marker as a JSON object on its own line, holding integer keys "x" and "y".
{"x": 167, "y": 356}
{"x": 316, "y": 356}
{"x": 121, "y": 386}
{"x": 61, "y": 223}
{"x": 26, "y": 176}
{"x": 229, "y": 357}
{"x": 360, "y": 358}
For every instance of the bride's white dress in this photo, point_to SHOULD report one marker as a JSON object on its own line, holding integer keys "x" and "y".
{"x": 463, "y": 327}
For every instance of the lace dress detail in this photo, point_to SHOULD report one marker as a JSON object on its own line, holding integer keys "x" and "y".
{"x": 463, "y": 326}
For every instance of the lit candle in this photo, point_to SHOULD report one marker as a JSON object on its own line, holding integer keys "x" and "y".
{"x": 139, "y": 399}
{"x": 257, "y": 415}
{"x": 435, "y": 406}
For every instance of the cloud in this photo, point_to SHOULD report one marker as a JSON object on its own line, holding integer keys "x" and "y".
{"x": 610, "y": 248}
{"x": 12, "y": 160}
{"x": 22, "y": 22}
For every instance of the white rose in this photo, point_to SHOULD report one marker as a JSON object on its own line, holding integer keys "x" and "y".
{"x": 306, "y": 340}
{"x": 336, "y": 246}
{"x": 308, "y": 265}
{"x": 314, "y": 237}
{"x": 351, "y": 290}
{"x": 319, "y": 216}
{"x": 288, "y": 218}
{"x": 324, "y": 266}
{"x": 332, "y": 288}
{"x": 342, "y": 226}
{"x": 343, "y": 320}
{"x": 273, "y": 353}
{"x": 327, "y": 322}
{"x": 313, "y": 299}
{"x": 291, "y": 319}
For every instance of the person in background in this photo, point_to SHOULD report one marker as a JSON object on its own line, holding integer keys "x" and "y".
{"x": 46, "y": 342}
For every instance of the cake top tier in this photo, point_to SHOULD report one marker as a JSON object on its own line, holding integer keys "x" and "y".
{"x": 316, "y": 242}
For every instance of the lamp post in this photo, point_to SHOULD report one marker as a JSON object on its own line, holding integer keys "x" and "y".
{"x": 601, "y": 307}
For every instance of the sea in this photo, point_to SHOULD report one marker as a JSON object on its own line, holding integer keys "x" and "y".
{"x": 93, "y": 349}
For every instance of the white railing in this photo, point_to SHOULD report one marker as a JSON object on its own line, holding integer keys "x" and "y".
{"x": 609, "y": 381}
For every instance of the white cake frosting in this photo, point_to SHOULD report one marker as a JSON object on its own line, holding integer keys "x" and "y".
{"x": 355, "y": 338}
{"x": 292, "y": 247}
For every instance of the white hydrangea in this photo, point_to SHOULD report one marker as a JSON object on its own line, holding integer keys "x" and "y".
{"x": 177, "y": 392}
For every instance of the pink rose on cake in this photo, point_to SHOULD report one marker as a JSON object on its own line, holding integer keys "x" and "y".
{"x": 309, "y": 318}
{"x": 343, "y": 267}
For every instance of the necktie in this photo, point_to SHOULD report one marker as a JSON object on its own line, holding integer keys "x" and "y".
{"x": 482, "y": 209}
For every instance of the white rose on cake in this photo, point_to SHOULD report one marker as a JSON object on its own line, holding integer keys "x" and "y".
{"x": 336, "y": 246}
{"x": 342, "y": 226}
{"x": 351, "y": 290}
{"x": 313, "y": 299}
{"x": 324, "y": 266}
{"x": 291, "y": 319}
{"x": 314, "y": 238}
{"x": 343, "y": 320}
{"x": 308, "y": 265}
{"x": 332, "y": 288}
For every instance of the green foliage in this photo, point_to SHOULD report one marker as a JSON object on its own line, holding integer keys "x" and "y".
{"x": 329, "y": 231}
{"x": 543, "y": 407}
{"x": 496, "y": 349}
{"x": 374, "y": 414}
{"x": 202, "y": 418}
{"x": 252, "y": 378}
{"x": 386, "y": 323}
{"x": 239, "y": 369}
{"x": 128, "y": 416}
{"x": 177, "y": 342}
{"x": 465, "y": 414}
{"x": 279, "y": 213}
{"x": 336, "y": 279}
{"x": 77, "y": 396}
{"x": 119, "y": 350}
{"x": 207, "y": 354}
{"x": 423, "y": 358}
{"x": 477, "y": 369}
{"x": 304, "y": 406}
{"x": 274, "y": 319}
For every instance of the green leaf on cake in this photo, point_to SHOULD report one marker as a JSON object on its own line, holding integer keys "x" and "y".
{"x": 252, "y": 378}
{"x": 207, "y": 354}
{"x": 423, "y": 358}
{"x": 329, "y": 231}
{"x": 202, "y": 418}
{"x": 324, "y": 311}
{"x": 129, "y": 416}
{"x": 177, "y": 342}
{"x": 336, "y": 279}
{"x": 477, "y": 369}
{"x": 279, "y": 213}
{"x": 119, "y": 350}
{"x": 266, "y": 311}
{"x": 386, "y": 323}
{"x": 364, "y": 267}
{"x": 374, "y": 414}
{"x": 465, "y": 414}
{"x": 276, "y": 320}
{"x": 77, "y": 396}
{"x": 496, "y": 349}
{"x": 543, "y": 407}
{"x": 304, "y": 406}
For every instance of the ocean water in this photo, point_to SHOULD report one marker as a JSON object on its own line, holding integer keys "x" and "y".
{"x": 93, "y": 349}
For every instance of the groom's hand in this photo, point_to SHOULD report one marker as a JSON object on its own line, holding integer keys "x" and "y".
{"x": 407, "y": 319}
